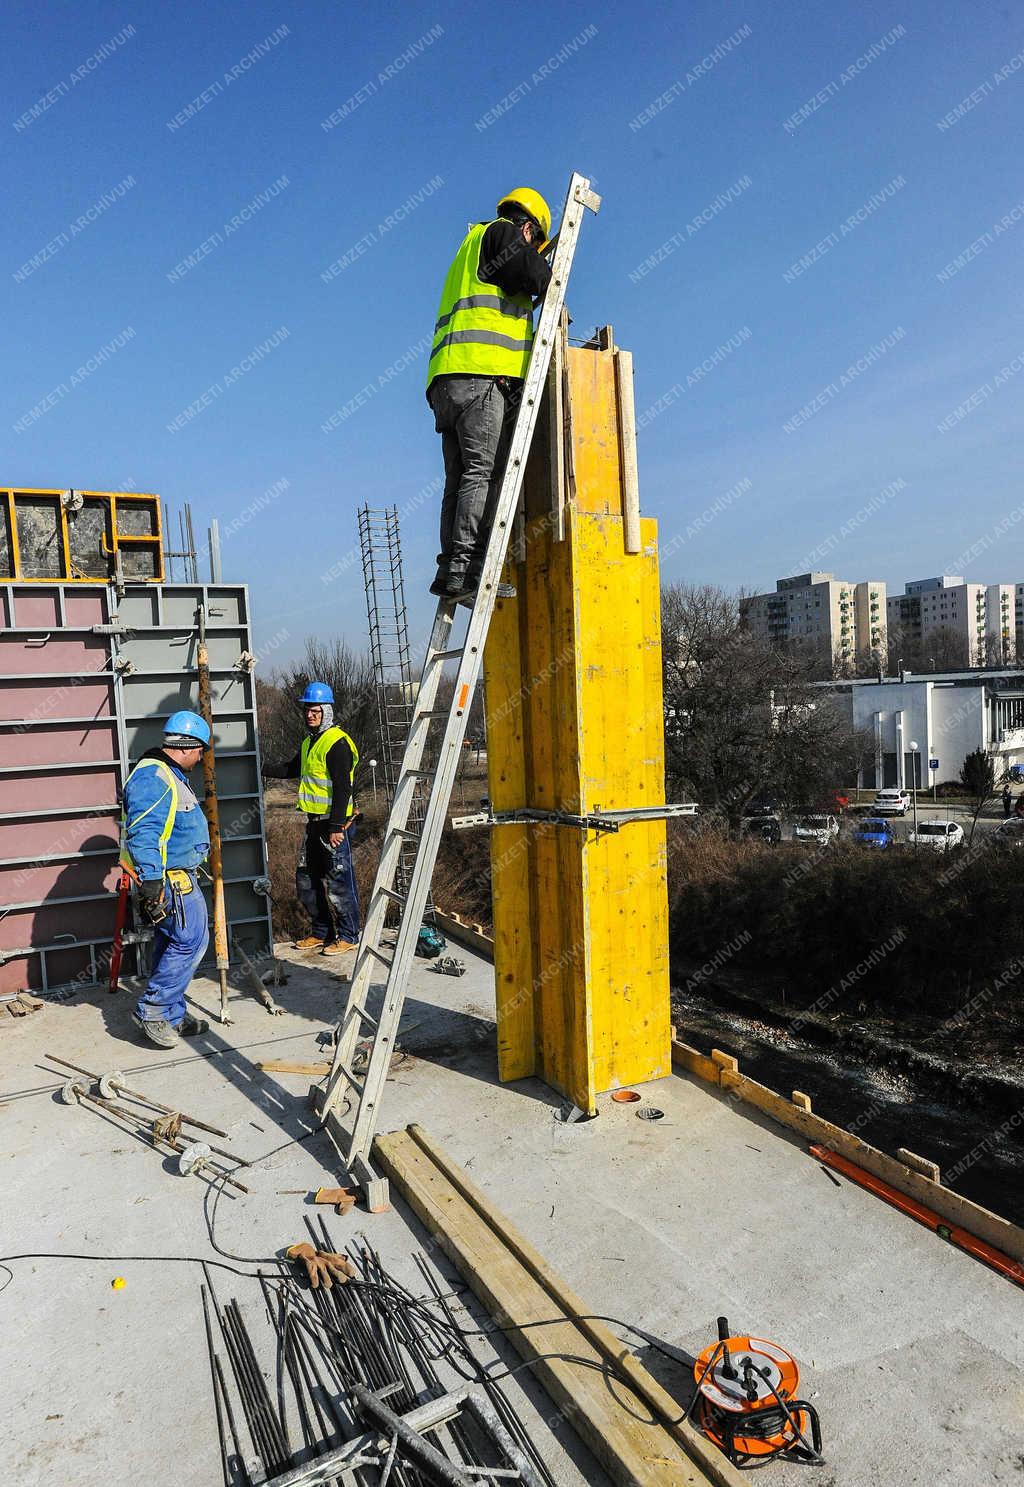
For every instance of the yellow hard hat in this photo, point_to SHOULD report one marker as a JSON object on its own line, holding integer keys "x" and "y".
{"x": 531, "y": 201}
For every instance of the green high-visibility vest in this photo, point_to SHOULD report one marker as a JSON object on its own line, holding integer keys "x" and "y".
{"x": 480, "y": 331}
{"x": 315, "y": 793}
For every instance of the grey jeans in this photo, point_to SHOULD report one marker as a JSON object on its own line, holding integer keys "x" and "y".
{"x": 475, "y": 418}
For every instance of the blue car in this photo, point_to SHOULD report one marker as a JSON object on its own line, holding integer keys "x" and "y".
{"x": 874, "y": 831}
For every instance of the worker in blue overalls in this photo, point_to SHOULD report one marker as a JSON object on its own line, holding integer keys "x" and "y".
{"x": 164, "y": 839}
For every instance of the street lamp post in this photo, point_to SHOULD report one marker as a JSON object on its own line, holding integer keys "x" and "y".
{"x": 914, "y": 754}
{"x": 373, "y": 775}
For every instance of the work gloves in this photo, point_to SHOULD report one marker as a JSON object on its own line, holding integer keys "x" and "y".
{"x": 321, "y": 1265}
{"x": 151, "y": 900}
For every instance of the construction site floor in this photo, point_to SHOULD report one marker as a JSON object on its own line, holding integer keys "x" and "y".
{"x": 912, "y": 1352}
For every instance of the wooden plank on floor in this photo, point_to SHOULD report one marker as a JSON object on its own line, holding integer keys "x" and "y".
{"x": 613, "y": 1418}
{"x": 287, "y": 1066}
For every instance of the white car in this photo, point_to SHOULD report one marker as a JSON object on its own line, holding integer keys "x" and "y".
{"x": 816, "y": 827}
{"x": 891, "y": 803}
{"x": 940, "y": 836}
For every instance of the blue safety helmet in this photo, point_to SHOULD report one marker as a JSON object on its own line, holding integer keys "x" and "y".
{"x": 185, "y": 730}
{"x": 317, "y": 693}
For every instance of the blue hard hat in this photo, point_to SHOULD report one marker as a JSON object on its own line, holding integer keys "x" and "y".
{"x": 188, "y": 726}
{"x": 317, "y": 692}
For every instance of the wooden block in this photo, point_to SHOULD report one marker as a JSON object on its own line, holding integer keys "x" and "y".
{"x": 725, "y": 1061}
{"x": 800, "y": 1100}
{"x": 919, "y": 1164}
{"x": 286, "y": 1066}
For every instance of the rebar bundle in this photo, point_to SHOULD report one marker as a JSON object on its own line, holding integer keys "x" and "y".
{"x": 361, "y": 1383}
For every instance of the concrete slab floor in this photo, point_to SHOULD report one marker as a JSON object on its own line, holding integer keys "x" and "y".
{"x": 913, "y": 1353}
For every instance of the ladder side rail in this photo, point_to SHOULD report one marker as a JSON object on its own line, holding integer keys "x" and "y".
{"x": 364, "y": 1125}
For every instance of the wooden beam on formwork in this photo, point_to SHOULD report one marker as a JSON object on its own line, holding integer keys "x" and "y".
{"x": 626, "y": 1418}
{"x": 575, "y": 722}
{"x": 906, "y": 1173}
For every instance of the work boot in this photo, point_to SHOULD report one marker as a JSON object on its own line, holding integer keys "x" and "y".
{"x": 339, "y": 947}
{"x": 448, "y": 586}
{"x": 310, "y": 942}
{"x": 192, "y": 1027}
{"x": 157, "y": 1030}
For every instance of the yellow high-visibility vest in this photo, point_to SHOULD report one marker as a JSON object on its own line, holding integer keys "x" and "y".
{"x": 480, "y": 331}
{"x": 315, "y": 792}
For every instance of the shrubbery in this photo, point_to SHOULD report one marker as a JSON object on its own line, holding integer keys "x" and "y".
{"x": 817, "y": 918}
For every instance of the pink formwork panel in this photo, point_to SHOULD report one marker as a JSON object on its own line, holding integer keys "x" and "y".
{"x": 51, "y": 881}
{"x": 30, "y": 701}
{"x": 81, "y": 609}
{"x": 53, "y": 835}
{"x": 22, "y": 929}
{"x": 46, "y": 792}
{"x": 62, "y": 655}
{"x": 38, "y": 607}
{"x": 24, "y": 973}
{"x": 73, "y": 743}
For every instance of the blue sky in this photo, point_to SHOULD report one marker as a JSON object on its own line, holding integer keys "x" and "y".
{"x": 776, "y": 273}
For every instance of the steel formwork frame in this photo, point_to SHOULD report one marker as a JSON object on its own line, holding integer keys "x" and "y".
{"x": 64, "y": 506}
{"x": 134, "y": 652}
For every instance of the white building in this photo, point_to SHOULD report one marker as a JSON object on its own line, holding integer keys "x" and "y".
{"x": 822, "y": 614}
{"x": 980, "y": 618}
{"x": 948, "y": 715}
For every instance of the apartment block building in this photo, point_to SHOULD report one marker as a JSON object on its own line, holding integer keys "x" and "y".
{"x": 978, "y": 621}
{"x": 824, "y": 615}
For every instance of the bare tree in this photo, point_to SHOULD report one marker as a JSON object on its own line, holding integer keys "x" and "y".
{"x": 978, "y": 777}
{"x": 348, "y": 673}
{"x": 742, "y": 717}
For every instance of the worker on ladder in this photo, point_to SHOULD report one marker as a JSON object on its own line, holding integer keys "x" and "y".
{"x": 325, "y": 880}
{"x": 164, "y": 840}
{"x": 480, "y": 354}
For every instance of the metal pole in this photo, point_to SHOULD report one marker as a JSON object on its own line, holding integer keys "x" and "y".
{"x": 133, "y": 1094}
{"x": 210, "y": 807}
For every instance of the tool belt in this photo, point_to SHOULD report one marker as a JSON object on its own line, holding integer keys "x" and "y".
{"x": 180, "y": 879}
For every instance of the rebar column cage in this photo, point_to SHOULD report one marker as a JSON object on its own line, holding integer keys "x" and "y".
{"x": 394, "y": 682}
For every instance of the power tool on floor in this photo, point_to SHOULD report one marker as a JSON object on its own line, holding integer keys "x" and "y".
{"x": 746, "y": 1401}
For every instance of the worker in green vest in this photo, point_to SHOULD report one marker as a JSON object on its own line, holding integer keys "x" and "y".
{"x": 325, "y": 882}
{"x": 480, "y": 353}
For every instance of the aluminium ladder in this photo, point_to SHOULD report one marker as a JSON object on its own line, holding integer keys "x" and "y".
{"x": 366, "y": 1088}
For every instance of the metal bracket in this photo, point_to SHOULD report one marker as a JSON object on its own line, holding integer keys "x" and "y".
{"x": 596, "y": 820}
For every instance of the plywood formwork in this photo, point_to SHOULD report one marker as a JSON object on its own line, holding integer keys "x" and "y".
{"x": 86, "y": 679}
{"x": 575, "y": 723}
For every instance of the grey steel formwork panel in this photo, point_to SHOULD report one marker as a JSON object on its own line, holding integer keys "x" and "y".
{"x": 85, "y": 681}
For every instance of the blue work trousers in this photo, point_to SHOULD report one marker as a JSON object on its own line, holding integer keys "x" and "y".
{"x": 325, "y": 883}
{"x": 179, "y": 944}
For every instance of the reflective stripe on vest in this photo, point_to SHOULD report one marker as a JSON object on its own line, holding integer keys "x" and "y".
{"x": 315, "y": 792}
{"x": 479, "y": 332}
{"x": 172, "y": 782}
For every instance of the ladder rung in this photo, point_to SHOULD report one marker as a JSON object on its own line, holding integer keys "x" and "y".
{"x": 353, "y": 1079}
{"x": 384, "y": 959}
{"x": 398, "y": 898}
{"x": 445, "y": 656}
{"x": 418, "y": 774}
{"x": 407, "y": 836}
{"x": 435, "y": 712}
{"x": 361, "y": 1011}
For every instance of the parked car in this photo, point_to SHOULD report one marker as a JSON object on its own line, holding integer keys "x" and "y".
{"x": 874, "y": 831}
{"x": 767, "y": 827}
{"x": 939, "y": 836}
{"x": 1009, "y": 833}
{"x": 891, "y": 803}
{"x": 816, "y": 827}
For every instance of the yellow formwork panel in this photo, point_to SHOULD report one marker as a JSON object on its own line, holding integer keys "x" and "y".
{"x": 574, "y": 722}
